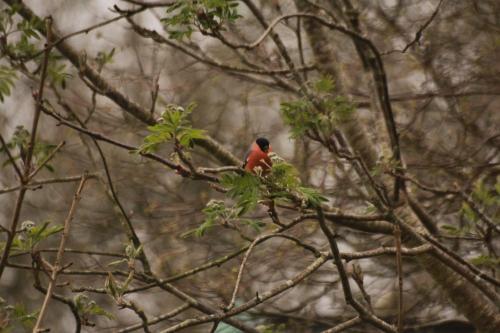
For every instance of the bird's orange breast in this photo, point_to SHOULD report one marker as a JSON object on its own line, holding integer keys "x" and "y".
{"x": 257, "y": 158}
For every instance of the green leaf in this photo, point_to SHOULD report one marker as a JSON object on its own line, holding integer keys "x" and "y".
{"x": 15, "y": 315}
{"x": 284, "y": 175}
{"x": 272, "y": 328}
{"x": 255, "y": 224}
{"x": 20, "y": 140}
{"x": 23, "y": 48}
{"x": 452, "y": 230}
{"x": 87, "y": 307}
{"x": 486, "y": 261}
{"x": 246, "y": 189}
{"x": 174, "y": 125}
{"x": 117, "y": 262}
{"x": 49, "y": 167}
{"x": 132, "y": 252}
{"x": 302, "y": 116}
{"x": 214, "y": 211}
{"x": 497, "y": 187}
{"x": 468, "y": 213}
{"x": 299, "y": 116}
{"x": 56, "y": 72}
{"x": 33, "y": 234}
{"x": 111, "y": 286}
{"x": 27, "y": 319}
{"x": 96, "y": 310}
{"x": 104, "y": 58}
{"x": 311, "y": 196}
{"x": 184, "y": 17}
{"x": 325, "y": 84}
{"x": 7, "y": 77}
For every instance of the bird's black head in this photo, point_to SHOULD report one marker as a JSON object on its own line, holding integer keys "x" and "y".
{"x": 263, "y": 143}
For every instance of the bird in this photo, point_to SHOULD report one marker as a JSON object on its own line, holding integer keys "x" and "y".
{"x": 258, "y": 156}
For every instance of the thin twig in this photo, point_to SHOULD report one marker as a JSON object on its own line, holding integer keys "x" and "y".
{"x": 453, "y": 261}
{"x": 158, "y": 319}
{"x": 57, "y": 264}
{"x": 46, "y": 160}
{"x": 364, "y": 313}
{"x": 27, "y": 165}
{"x": 466, "y": 197}
{"x": 220, "y": 169}
{"x": 247, "y": 254}
{"x": 69, "y": 302}
{"x": 414, "y": 251}
{"x": 12, "y": 232}
{"x": 419, "y": 32}
{"x": 140, "y": 313}
{"x": 214, "y": 326}
{"x": 88, "y": 29}
{"x": 258, "y": 299}
{"x": 206, "y": 59}
{"x": 39, "y": 98}
{"x": 154, "y": 96}
{"x": 37, "y": 184}
{"x": 345, "y": 325}
{"x": 399, "y": 265}
{"x": 151, "y": 4}
{"x": 11, "y": 159}
{"x": 90, "y": 253}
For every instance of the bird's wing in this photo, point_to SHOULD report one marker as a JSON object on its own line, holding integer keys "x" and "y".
{"x": 252, "y": 148}
{"x": 245, "y": 159}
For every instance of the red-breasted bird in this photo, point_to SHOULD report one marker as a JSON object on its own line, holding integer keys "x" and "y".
{"x": 258, "y": 156}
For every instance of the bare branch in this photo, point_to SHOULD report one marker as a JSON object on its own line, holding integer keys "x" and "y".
{"x": 345, "y": 325}
{"x": 247, "y": 254}
{"x": 151, "y": 4}
{"x": 158, "y": 319}
{"x": 29, "y": 155}
{"x": 38, "y": 98}
{"x": 399, "y": 265}
{"x": 419, "y": 32}
{"x": 89, "y": 29}
{"x": 414, "y": 251}
{"x": 57, "y": 264}
{"x": 260, "y": 298}
{"x": 206, "y": 59}
{"x": 46, "y": 160}
{"x": 11, "y": 159}
{"x": 363, "y": 313}
{"x": 37, "y": 184}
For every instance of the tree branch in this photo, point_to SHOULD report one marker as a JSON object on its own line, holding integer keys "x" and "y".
{"x": 57, "y": 264}
{"x": 11, "y": 159}
{"x": 363, "y": 313}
